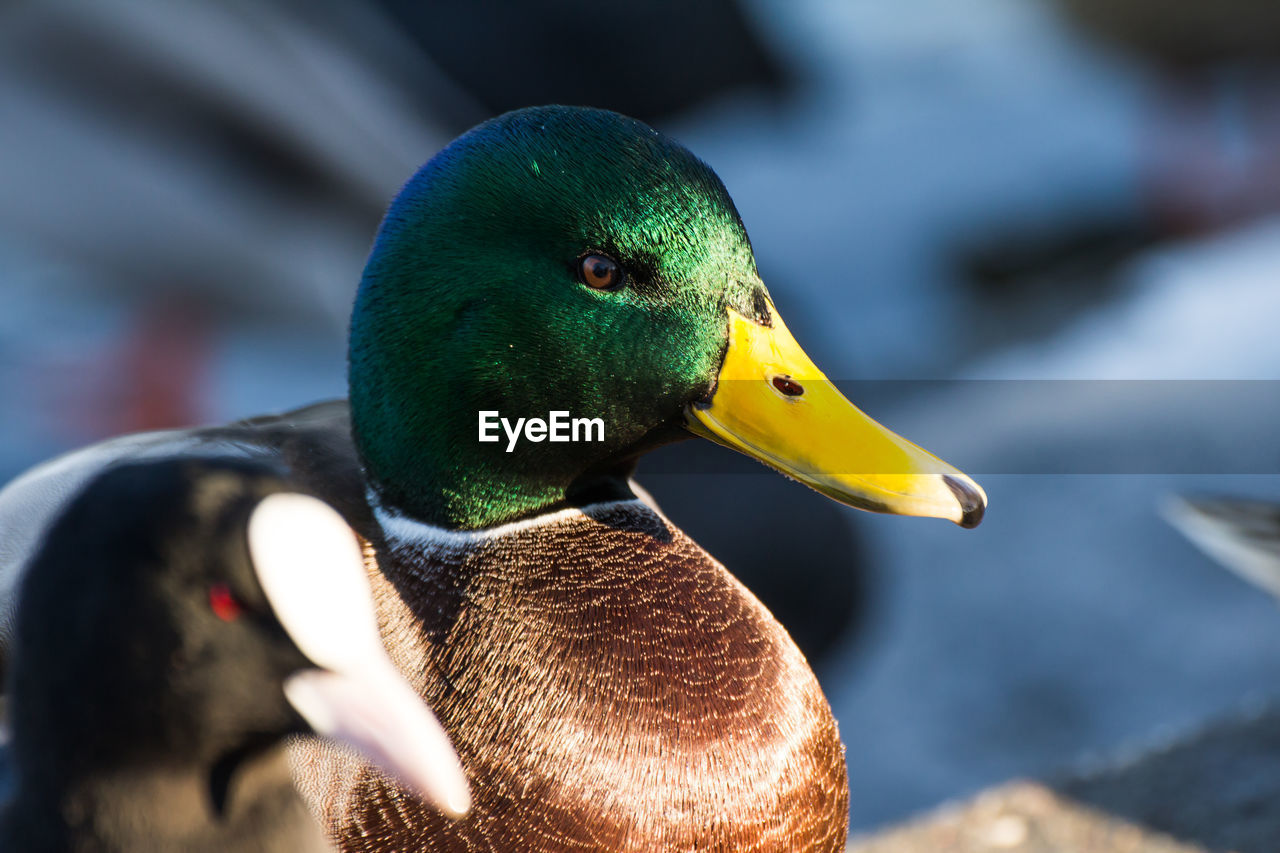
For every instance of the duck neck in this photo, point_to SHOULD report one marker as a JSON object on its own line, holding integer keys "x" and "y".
{"x": 437, "y": 462}
{"x": 466, "y": 492}
{"x": 243, "y": 799}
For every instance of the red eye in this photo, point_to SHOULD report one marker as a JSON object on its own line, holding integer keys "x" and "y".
{"x": 223, "y": 603}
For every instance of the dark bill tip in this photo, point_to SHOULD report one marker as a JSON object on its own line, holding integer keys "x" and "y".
{"x": 972, "y": 504}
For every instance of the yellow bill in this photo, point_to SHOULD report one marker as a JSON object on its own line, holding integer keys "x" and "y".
{"x": 772, "y": 403}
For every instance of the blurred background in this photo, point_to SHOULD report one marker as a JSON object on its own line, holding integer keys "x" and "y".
{"x": 1039, "y": 237}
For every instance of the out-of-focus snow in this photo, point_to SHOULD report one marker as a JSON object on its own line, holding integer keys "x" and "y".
{"x": 1075, "y": 622}
{"x": 1209, "y": 309}
{"x": 928, "y": 121}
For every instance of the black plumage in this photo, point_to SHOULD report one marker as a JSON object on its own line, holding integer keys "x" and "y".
{"x": 150, "y": 681}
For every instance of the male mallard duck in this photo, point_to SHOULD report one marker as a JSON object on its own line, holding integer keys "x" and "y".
{"x": 181, "y": 621}
{"x": 608, "y": 685}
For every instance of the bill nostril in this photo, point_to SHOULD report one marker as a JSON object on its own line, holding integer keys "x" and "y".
{"x": 788, "y": 386}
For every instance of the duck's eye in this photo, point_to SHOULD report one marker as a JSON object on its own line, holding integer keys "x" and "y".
{"x": 599, "y": 271}
{"x": 224, "y": 603}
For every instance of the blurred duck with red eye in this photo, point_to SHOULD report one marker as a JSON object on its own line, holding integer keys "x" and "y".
{"x": 185, "y": 618}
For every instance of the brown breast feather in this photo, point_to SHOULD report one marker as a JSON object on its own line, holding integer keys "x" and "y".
{"x": 609, "y": 686}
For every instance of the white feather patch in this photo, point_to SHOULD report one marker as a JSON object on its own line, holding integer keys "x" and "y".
{"x": 310, "y": 566}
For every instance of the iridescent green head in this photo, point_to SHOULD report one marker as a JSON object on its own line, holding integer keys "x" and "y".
{"x": 573, "y": 260}
{"x": 475, "y": 299}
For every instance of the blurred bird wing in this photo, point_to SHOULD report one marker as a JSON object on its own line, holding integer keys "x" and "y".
{"x": 1243, "y": 535}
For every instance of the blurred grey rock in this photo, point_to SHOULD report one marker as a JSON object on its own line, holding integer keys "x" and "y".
{"x": 1218, "y": 787}
{"x": 1215, "y": 789}
{"x": 1022, "y": 817}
